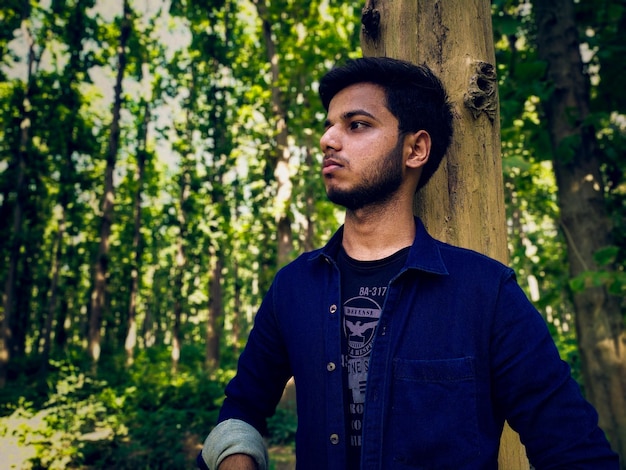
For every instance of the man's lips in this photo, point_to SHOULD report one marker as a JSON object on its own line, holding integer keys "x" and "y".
{"x": 330, "y": 164}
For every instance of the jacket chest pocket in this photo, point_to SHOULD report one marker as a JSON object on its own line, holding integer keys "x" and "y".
{"x": 434, "y": 414}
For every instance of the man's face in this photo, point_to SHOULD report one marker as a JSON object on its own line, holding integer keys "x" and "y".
{"x": 363, "y": 152}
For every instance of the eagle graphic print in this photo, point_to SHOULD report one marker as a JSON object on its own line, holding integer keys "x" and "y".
{"x": 360, "y": 317}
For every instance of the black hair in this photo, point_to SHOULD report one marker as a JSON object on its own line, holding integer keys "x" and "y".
{"x": 414, "y": 94}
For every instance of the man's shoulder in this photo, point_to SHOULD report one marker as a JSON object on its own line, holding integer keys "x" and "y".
{"x": 431, "y": 251}
{"x": 456, "y": 257}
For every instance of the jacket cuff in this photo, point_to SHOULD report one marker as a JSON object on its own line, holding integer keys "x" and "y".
{"x": 229, "y": 437}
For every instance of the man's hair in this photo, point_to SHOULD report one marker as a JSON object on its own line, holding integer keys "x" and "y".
{"x": 414, "y": 94}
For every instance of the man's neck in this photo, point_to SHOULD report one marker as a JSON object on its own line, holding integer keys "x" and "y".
{"x": 376, "y": 233}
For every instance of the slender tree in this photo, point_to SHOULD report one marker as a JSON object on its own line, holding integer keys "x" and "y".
{"x": 142, "y": 155}
{"x": 279, "y": 160}
{"x": 455, "y": 39}
{"x": 19, "y": 195}
{"x": 101, "y": 268}
{"x": 181, "y": 258}
{"x": 71, "y": 136}
{"x": 584, "y": 219}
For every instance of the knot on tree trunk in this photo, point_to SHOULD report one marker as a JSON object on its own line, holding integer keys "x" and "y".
{"x": 481, "y": 96}
{"x": 370, "y": 19}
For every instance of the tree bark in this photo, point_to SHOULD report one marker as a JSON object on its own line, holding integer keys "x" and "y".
{"x": 98, "y": 295}
{"x": 584, "y": 217}
{"x": 463, "y": 204}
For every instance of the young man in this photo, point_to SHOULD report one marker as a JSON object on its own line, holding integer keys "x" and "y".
{"x": 406, "y": 352}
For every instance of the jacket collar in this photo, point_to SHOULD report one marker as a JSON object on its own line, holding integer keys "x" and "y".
{"x": 424, "y": 254}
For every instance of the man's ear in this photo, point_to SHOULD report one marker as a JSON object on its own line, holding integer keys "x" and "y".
{"x": 419, "y": 144}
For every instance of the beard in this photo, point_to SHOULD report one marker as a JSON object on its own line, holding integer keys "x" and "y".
{"x": 378, "y": 185}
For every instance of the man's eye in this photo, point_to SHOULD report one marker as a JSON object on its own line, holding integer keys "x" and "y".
{"x": 357, "y": 125}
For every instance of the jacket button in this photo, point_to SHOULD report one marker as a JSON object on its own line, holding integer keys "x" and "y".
{"x": 330, "y": 366}
{"x": 334, "y": 438}
{"x": 333, "y": 308}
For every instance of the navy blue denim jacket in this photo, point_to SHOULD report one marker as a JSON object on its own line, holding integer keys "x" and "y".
{"x": 459, "y": 350}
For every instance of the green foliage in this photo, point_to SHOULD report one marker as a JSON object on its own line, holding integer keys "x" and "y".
{"x": 199, "y": 106}
{"x": 282, "y": 427}
{"x": 136, "y": 417}
{"x": 536, "y": 240}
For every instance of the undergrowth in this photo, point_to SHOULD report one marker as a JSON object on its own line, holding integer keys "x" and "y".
{"x": 142, "y": 416}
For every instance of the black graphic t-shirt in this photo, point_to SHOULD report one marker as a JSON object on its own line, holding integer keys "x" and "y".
{"x": 363, "y": 290}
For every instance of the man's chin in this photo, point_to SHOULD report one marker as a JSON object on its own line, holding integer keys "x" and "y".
{"x": 343, "y": 199}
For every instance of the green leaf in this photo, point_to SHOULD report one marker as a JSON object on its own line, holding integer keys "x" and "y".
{"x": 607, "y": 255}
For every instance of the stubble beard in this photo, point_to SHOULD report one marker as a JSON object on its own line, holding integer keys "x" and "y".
{"x": 377, "y": 188}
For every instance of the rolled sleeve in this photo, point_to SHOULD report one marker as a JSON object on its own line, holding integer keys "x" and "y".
{"x": 230, "y": 437}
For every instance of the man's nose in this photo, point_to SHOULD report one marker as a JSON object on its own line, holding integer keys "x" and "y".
{"x": 330, "y": 139}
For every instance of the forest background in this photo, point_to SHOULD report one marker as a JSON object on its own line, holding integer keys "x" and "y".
{"x": 159, "y": 162}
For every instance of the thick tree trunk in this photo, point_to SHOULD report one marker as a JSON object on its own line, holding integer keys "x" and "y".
{"x": 464, "y": 202}
{"x": 584, "y": 217}
{"x": 98, "y": 294}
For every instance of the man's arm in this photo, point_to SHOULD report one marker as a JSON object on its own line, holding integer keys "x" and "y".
{"x": 252, "y": 395}
{"x": 238, "y": 462}
{"x": 535, "y": 392}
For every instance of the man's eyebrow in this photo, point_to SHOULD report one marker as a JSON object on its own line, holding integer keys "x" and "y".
{"x": 359, "y": 112}
{"x": 350, "y": 114}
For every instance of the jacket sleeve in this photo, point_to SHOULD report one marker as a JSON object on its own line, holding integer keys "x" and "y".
{"x": 535, "y": 392}
{"x": 262, "y": 371}
{"x": 232, "y": 437}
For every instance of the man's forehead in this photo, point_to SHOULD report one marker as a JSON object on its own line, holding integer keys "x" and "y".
{"x": 365, "y": 99}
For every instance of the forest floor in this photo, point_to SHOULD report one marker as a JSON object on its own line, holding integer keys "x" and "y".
{"x": 282, "y": 458}
{"x": 15, "y": 456}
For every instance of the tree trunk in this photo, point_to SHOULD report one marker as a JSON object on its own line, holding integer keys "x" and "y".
{"x": 237, "y": 310}
{"x": 216, "y": 314}
{"x": 308, "y": 244}
{"x": 68, "y": 177}
{"x": 98, "y": 295}
{"x": 181, "y": 263}
{"x": 15, "y": 243}
{"x": 455, "y": 39}
{"x": 584, "y": 217}
{"x": 14, "y": 255}
{"x": 52, "y": 291}
{"x": 60, "y": 333}
{"x": 131, "y": 333}
{"x": 181, "y": 266}
{"x": 280, "y": 160}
